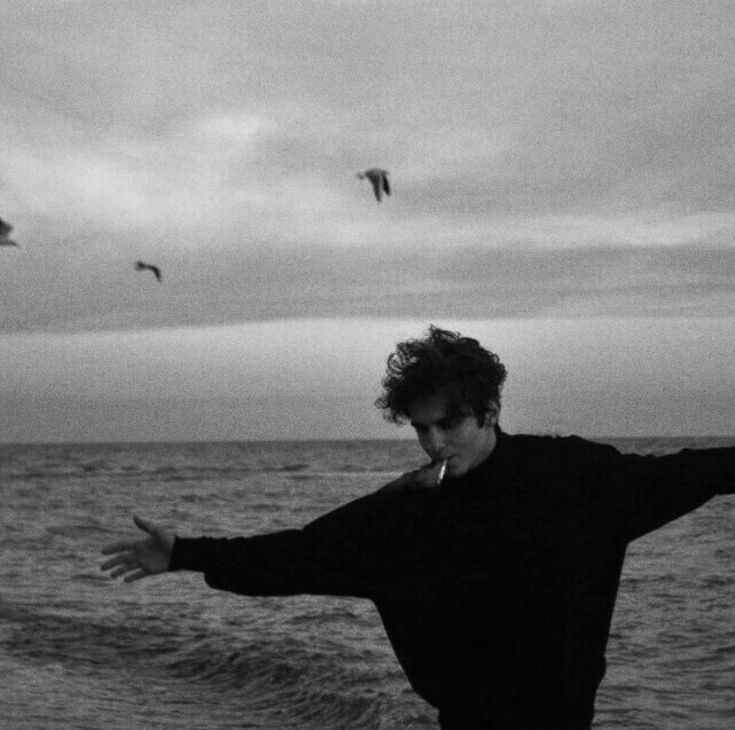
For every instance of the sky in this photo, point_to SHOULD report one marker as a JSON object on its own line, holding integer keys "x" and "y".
{"x": 563, "y": 176}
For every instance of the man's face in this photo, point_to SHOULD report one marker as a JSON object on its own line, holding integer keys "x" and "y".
{"x": 446, "y": 432}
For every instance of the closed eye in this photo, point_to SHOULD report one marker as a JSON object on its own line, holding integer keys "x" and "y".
{"x": 445, "y": 424}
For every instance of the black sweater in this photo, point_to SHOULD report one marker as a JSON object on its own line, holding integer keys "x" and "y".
{"x": 497, "y": 588}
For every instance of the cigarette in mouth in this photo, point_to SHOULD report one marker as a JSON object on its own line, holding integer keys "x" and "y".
{"x": 442, "y": 471}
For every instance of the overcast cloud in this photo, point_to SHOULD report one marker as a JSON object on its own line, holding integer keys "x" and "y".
{"x": 549, "y": 159}
{"x": 221, "y": 139}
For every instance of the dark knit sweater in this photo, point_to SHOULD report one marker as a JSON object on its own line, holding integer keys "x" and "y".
{"x": 497, "y": 589}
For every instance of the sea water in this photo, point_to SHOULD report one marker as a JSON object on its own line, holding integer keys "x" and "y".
{"x": 79, "y": 650}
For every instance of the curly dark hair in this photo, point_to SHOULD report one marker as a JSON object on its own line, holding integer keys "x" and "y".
{"x": 472, "y": 375}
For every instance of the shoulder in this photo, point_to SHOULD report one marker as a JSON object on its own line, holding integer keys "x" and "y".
{"x": 567, "y": 451}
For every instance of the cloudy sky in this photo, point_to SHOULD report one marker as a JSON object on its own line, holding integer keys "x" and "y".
{"x": 563, "y": 181}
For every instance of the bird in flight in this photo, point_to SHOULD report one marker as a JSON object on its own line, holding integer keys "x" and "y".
{"x": 379, "y": 179}
{"x": 140, "y": 266}
{"x": 5, "y": 229}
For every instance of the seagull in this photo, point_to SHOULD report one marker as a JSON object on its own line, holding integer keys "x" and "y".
{"x": 379, "y": 179}
{"x": 140, "y": 266}
{"x": 5, "y": 229}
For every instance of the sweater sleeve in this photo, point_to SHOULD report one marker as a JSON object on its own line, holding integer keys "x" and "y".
{"x": 347, "y": 552}
{"x": 646, "y": 492}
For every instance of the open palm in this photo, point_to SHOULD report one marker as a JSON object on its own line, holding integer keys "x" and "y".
{"x": 136, "y": 559}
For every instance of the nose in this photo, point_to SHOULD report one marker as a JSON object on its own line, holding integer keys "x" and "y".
{"x": 433, "y": 441}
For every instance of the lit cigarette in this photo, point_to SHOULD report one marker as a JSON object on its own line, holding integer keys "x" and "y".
{"x": 442, "y": 471}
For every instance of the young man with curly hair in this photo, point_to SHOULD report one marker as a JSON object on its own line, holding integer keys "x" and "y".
{"x": 494, "y": 568}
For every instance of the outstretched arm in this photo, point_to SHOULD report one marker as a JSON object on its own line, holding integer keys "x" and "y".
{"x": 356, "y": 550}
{"x": 658, "y": 489}
{"x": 639, "y": 493}
{"x": 136, "y": 559}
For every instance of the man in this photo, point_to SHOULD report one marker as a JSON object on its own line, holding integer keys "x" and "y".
{"x": 496, "y": 587}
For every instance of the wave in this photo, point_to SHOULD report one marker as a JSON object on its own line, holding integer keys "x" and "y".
{"x": 314, "y": 685}
{"x": 307, "y": 685}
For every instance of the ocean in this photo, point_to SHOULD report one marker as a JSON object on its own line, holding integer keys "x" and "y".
{"x": 79, "y": 650}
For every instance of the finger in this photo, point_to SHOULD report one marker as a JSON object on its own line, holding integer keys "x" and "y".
{"x": 424, "y": 478}
{"x": 417, "y": 486}
{"x": 137, "y": 575}
{"x": 120, "y": 571}
{"x": 119, "y": 547}
{"x": 143, "y": 524}
{"x": 118, "y": 560}
{"x": 398, "y": 483}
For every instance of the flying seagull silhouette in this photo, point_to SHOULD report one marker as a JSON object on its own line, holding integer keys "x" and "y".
{"x": 379, "y": 179}
{"x": 5, "y": 229}
{"x": 140, "y": 266}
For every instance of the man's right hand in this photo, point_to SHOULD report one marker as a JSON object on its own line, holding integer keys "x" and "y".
{"x": 136, "y": 559}
{"x": 416, "y": 480}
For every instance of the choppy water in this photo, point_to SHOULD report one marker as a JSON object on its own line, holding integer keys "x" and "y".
{"x": 78, "y": 650}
